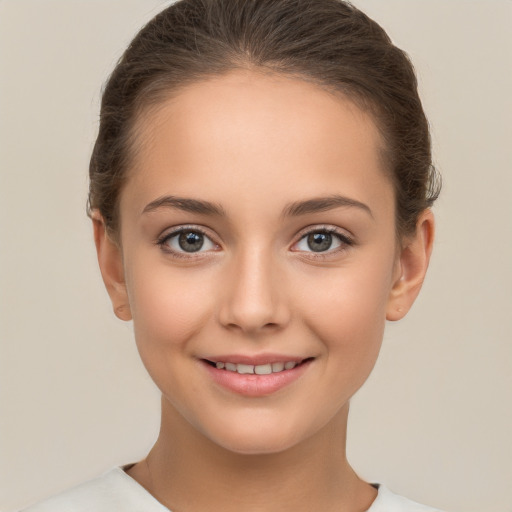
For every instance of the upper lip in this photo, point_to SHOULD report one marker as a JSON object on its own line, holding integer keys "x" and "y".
{"x": 254, "y": 360}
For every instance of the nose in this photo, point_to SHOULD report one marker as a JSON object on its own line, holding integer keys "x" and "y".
{"x": 254, "y": 297}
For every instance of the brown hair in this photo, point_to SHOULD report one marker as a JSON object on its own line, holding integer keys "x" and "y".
{"x": 329, "y": 42}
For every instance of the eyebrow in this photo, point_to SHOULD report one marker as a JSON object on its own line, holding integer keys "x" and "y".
{"x": 185, "y": 204}
{"x": 295, "y": 209}
{"x": 322, "y": 204}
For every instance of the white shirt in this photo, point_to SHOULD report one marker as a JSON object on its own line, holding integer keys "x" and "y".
{"x": 115, "y": 490}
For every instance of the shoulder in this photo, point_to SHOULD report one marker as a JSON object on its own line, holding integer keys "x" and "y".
{"x": 114, "y": 490}
{"x": 388, "y": 501}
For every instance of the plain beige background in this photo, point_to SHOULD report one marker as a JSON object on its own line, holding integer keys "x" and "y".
{"x": 434, "y": 421}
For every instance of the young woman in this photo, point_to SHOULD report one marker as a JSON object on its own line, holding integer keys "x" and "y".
{"x": 260, "y": 191}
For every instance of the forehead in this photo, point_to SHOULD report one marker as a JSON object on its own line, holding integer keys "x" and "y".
{"x": 258, "y": 132}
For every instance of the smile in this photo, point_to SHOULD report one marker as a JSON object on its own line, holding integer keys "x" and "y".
{"x": 264, "y": 378}
{"x": 260, "y": 369}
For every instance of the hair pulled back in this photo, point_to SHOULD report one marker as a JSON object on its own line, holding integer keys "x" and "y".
{"x": 329, "y": 42}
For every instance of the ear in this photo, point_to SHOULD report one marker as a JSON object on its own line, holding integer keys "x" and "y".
{"x": 111, "y": 265}
{"x": 412, "y": 265}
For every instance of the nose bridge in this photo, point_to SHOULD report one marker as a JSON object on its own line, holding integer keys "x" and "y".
{"x": 254, "y": 297}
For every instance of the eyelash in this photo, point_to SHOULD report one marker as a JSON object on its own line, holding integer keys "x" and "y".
{"x": 163, "y": 241}
{"x": 344, "y": 240}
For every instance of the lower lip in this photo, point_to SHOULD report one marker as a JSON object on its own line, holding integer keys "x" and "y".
{"x": 254, "y": 385}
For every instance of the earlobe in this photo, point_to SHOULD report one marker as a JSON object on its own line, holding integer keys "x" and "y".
{"x": 111, "y": 266}
{"x": 411, "y": 268}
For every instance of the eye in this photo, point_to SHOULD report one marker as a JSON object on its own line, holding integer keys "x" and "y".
{"x": 187, "y": 241}
{"x": 322, "y": 240}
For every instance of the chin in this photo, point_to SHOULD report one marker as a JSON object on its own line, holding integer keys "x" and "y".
{"x": 258, "y": 446}
{"x": 259, "y": 440}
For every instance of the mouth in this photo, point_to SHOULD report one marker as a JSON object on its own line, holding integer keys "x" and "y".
{"x": 264, "y": 377}
{"x": 257, "y": 369}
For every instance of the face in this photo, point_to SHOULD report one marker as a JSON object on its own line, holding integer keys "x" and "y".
{"x": 259, "y": 256}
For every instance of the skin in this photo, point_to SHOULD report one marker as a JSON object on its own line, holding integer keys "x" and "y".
{"x": 254, "y": 145}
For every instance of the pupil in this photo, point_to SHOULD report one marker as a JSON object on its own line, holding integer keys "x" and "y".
{"x": 191, "y": 242}
{"x": 319, "y": 242}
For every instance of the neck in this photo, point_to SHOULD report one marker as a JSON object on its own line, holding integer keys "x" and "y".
{"x": 188, "y": 472}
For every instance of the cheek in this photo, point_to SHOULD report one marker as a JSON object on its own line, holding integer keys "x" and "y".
{"x": 347, "y": 306}
{"x": 168, "y": 305}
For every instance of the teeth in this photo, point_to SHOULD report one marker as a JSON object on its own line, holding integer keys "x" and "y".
{"x": 277, "y": 367}
{"x": 245, "y": 368}
{"x": 261, "y": 369}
